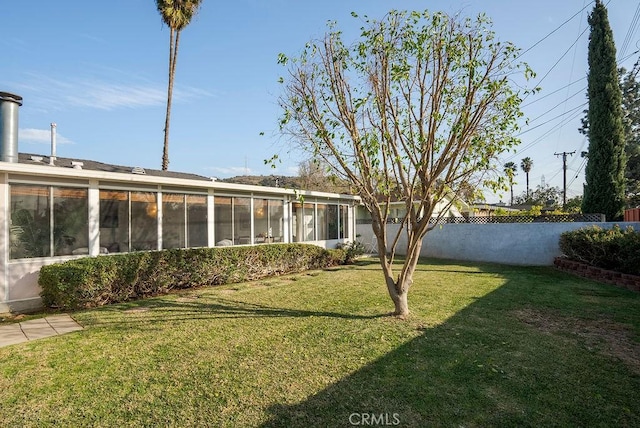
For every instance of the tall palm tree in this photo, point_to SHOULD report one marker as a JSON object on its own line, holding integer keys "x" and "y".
{"x": 526, "y": 166}
{"x": 177, "y": 14}
{"x": 510, "y": 169}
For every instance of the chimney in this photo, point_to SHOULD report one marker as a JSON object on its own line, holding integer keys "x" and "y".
{"x": 9, "y": 104}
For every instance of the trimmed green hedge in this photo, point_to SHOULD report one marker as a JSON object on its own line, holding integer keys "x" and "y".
{"x": 613, "y": 249}
{"x": 95, "y": 281}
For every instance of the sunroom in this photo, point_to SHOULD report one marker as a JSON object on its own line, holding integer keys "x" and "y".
{"x": 55, "y": 211}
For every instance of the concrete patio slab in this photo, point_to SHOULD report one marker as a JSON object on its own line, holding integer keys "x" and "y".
{"x": 53, "y": 325}
{"x": 37, "y": 329}
{"x": 63, "y": 323}
{"x": 11, "y": 334}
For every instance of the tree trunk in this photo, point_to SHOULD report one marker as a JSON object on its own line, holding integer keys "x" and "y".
{"x": 401, "y": 304}
{"x": 173, "y": 53}
{"x": 399, "y": 289}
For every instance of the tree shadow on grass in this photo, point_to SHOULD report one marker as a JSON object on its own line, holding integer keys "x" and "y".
{"x": 482, "y": 367}
{"x": 189, "y": 309}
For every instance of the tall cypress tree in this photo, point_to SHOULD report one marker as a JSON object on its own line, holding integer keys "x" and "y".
{"x": 631, "y": 122}
{"x": 604, "y": 190}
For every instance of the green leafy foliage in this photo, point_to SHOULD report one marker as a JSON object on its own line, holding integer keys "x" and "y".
{"x": 418, "y": 108}
{"x": 604, "y": 174}
{"x": 351, "y": 251}
{"x": 630, "y": 87}
{"x": 613, "y": 249}
{"x": 631, "y": 121}
{"x": 95, "y": 281}
{"x": 545, "y": 196}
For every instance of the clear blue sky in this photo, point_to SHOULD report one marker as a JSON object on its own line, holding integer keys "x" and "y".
{"x": 99, "y": 70}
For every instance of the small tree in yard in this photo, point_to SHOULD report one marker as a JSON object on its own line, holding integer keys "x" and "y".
{"x": 418, "y": 108}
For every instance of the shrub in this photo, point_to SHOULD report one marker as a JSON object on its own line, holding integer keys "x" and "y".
{"x": 95, "y": 281}
{"x": 351, "y": 251}
{"x": 613, "y": 249}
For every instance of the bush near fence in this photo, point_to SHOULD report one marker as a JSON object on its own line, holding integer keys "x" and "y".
{"x": 612, "y": 249}
{"x": 95, "y": 281}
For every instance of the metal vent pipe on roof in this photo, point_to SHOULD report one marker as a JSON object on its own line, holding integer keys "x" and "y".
{"x": 53, "y": 156}
{"x": 9, "y": 104}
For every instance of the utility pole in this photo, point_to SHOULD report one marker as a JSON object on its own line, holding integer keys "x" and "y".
{"x": 564, "y": 178}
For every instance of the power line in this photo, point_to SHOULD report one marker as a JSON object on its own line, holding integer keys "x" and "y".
{"x": 563, "y": 55}
{"x": 543, "y": 136}
{"x": 563, "y": 122}
{"x": 630, "y": 32}
{"x": 552, "y": 119}
{"x": 619, "y": 62}
{"x": 575, "y": 177}
{"x": 573, "y": 63}
{"x": 551, "y": 33}
{"x": 557, "y": 105}
{"x": 573, "y": 160}
{"x": 556, "y": 91}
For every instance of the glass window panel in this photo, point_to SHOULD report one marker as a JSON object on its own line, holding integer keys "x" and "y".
{"x": 344, "y": 221}
{"x": 303, "y": 222}
{"x": 114, "y": 221}
{"x": 242, "y": 220}
{"x": 70, "y": 221}
{"x": 30, "y": 229}
{"x": 322, "y": 222}
{"x": 261, "y": 221}
{"x": 144, "y": 221}
{"x": 197, "y": 226}
{"x": 276, "y": 220}
{"x": 297, "y": 222}
{"x": 332, "y": 221}
{"x": 173, "y": 221}
{"x": 309, "y": 222}
{"x": 223, "y": 217}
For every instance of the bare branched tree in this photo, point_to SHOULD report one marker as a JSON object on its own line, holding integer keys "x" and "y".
{"x": 417, "y": 109}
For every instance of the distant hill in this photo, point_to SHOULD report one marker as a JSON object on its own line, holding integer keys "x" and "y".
{"x": 264, "y": 180}
{"x": 324, "y": 185}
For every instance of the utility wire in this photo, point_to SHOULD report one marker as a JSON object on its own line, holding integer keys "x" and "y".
{"x": 546, "y": 134}
{"x": 555, "y": 92}
{"x": 582, "y": 165}
{"x": 573, "y": 63}
{"x": 619, "y": 62}
{"x": 551, "y": 33}
{"x": 551, "y": 120}
{"x": 557, "y": 105}
{"x": 632, "y": 29}
{"x": 562, "y": 56}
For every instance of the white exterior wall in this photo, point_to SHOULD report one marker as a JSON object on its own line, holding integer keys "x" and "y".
{"x": 507, "y": 243}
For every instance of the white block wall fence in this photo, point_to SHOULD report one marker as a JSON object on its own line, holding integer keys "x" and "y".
{"x": 534, "y": 244}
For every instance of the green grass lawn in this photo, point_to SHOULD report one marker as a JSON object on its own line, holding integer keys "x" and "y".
{"x": 486, "y": 345}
